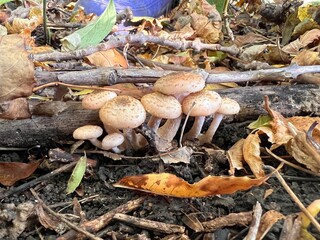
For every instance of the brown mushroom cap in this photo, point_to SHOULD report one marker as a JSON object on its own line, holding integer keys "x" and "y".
{"x": 161, "y": 105}
{"x": 87, "y": 132}
{"x": 97, "y": 99}
{"x": 123, "y": 112}
{"x": 179, "y": 83}
{"x": 206, "y": 103}
{"x": 229, "y": 107}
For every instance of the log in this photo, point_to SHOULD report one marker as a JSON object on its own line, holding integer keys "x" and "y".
{"x": 57, "y": 129}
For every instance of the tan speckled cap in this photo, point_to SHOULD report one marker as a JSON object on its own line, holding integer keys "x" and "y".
{"x": 123, "y": 112}
{"x": 179, "y": 83}
{"x": 229, "y": 107}
{"x": 87, "y": 132}
{"x": 97, "y": 99}
{"x": 161, "y": 105}
{"x": 206, "y": 103}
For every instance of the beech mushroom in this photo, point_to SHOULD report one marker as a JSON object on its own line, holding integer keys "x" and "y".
{"x": 125, "y": 113}
{"x": 97, "y": 99}
{"x": 179, "y": 85}
{"x": 112, "y": 141}
{"x": 89, "y": 132}
{"x": 160, "y": 106}
{"x": 200, "y": 105}
{"x": 228, "y": 107}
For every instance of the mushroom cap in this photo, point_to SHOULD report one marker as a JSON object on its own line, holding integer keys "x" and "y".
{"x": 112, "y": 140}
{"x": 161, "y": 105}
{"x": 87, "y": 132}
{"x": 123, "y": 112}
{"x": 229, "y": 107}
{"x": 97, "y": 99}
{"x": 178, "y": 83}
{"x": 206, "y": 103}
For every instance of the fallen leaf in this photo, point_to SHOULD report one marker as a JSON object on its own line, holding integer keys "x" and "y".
{"x": 77, "y": 175}
{"x": 249, "y": 38}
{"x": 251, "y": 154}
{"x": 267, "y": 221}
{"x": 17, "y": 70}
{"x": 15, "y": 109}
{"x": 303, "y": 123}
{"x": 306, "y": 58}
{"x": 170, "y": 185}
{"x": 303, "y": 151}
{"x": 182, "y": 154}
{"x": 11, "y": 172}
{"x": 107, "y": 58}
{"x": 235, "y": 156}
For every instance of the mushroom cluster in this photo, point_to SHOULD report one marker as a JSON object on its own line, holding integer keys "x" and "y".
{"x": 174, "y": 96}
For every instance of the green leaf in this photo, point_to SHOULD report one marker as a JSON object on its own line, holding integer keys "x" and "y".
{"x": 94, "y": 32}
{"x": 5, "y": 1}
{"x": 77, "y": 174}
{"x": 262, "y": 121}
{"x": 219, "y": 4}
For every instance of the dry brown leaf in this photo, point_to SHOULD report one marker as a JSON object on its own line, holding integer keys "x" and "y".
{"x": 182, "y": 154}
{"x": 303, "y": 124}
{"x": 170, "y": 185}
{"x": 279, "y": 127}
{"x": 306, "y": 58}
{"x": 204, "y": 28}
{"x": 248, "y": 38}
{"x": 267, "y": 221}
{"x": 235, "y": 156}
{"x": 11, "y": 172}
{"x": 303, "y": 151}
{"x": 15, "y": 109}
{"x": 251, "y": 154}
{"x": 107, "y": 58}
{"x": 304, "y": 40}
{"x": 17, "y": 70}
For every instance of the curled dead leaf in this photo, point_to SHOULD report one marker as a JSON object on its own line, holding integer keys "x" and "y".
{"x": 170, "y": 185}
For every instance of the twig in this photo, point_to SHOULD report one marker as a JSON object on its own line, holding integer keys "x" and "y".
{"x": 295, "y": 198}
{"x": 102, "y": 221}
{"x": 291, "y": 164}
{"x": 149, "y": 224}
{"x": 137, "y": 39}
{"x": 32, "y": 183}
{"x": 61, "y": 218}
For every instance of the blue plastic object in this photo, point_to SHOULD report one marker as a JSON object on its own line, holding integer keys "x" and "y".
{"x": 150, "y": 8}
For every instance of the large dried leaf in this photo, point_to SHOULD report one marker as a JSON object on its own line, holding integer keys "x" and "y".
{"x": 251, "y": 154}
{"x": 235, "y": 156}
{"x": 11, "y": 172}
{"x": 107, "y": 58}
{"x": 15, "y": 109}
{"x": 303, "y": 151}
{"x": 17, "y": 70}
{"x": 303, "y": 123}
{"x": 170, "y": 185}
{"x": 267, "y": 221}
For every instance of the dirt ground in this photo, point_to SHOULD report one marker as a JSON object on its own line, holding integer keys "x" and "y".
{"x": 99, "y": 196}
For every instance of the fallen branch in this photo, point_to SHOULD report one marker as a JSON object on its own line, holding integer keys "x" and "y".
{"x": 110, "y": 76}
{"x": 137, "y": 39}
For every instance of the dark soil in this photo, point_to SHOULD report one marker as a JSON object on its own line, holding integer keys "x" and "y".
{"x": 159, "y": 208}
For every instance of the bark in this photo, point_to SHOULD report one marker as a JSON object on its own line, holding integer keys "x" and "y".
{"x": 52, "y": 130}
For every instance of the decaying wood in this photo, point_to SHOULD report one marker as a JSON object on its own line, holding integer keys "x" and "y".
{"x": 49, "y": 130}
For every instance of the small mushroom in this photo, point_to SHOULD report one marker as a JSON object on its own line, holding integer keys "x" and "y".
{"x": 112, "y": 141}
{"x": 228, "y": 107}
{"x": 124, "y": 113}
{"x": 179, "y": 85}
{"x": 97, "y": 99}
{"x": 160, "y": 106}
{"x": 200, "y": 105}
{"x": 89, "y": 132}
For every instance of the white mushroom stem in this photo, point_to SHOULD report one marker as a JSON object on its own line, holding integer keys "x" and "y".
{"x": 96, "y": 142}
{"x": 110, "y": 129}
{"x": 169, "y": 129}
{"x": 195, "y": 130}
{"x": 207, "y": 137}
{"x": 154, "y": 123}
